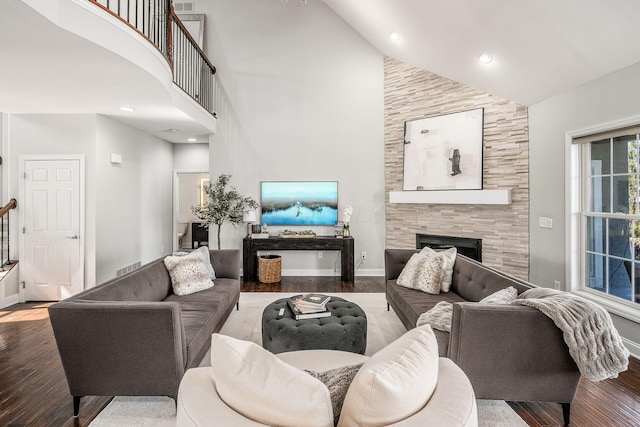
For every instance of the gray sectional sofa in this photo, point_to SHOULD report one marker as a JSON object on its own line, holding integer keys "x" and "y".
{"x": 132, "y": 336}
{"x": 509, "y": 352}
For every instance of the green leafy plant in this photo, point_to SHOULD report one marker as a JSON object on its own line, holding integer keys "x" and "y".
{"x": 223, "y": 204}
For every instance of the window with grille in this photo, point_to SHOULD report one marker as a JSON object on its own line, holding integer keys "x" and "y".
{"x": 607, "y": 221}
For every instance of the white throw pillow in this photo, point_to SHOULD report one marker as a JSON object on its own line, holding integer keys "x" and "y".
{"x": 423, "y": 272}
{"x": 188, "y": 273}
{"x": 263, "y": 388}
{"x": 439, "y": 317}
{"x": 448, "y": 261}
{"x": 207, "y": 261}
{"x": 394, "y": 383}
{"x": 503, "y": 296}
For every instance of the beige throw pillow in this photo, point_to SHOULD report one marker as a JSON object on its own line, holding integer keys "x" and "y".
{"x": 263, "y": 388}
{"x": 188, "y": 273}
{"x": 394, "y": 383}
{"x": 439, "y": 317}
{"x": 503, "y": 296}
{"x": 448, "y": 261}
{"x": 423, "y": 272}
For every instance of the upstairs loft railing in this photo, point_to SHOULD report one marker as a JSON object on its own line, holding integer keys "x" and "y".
{"x": 157, "y": 22}
{"x": 4, "y": 232}
{"x": 192, "y": 71}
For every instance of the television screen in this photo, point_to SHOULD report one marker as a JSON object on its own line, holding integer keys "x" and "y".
{"x": 299, "y": 203}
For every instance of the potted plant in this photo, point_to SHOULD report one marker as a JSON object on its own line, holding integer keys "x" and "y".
{"x": 223, "y": 204}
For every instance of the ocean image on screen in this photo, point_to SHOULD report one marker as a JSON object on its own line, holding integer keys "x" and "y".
{"x": 299, "y": 203}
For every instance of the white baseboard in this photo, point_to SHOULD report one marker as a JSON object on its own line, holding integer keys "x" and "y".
{"x": 308, "y": 272}
{"x": 329, "y": 272}
{"x": 370, "y": 272}
{"x": 10, "y": 300}
{"x": 633, "y": 347}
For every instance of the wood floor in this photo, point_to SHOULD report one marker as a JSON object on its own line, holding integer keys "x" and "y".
{"x": 33, "y": 389}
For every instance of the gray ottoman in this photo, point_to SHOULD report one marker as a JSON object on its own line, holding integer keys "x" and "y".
{"x": 345, "y": 329}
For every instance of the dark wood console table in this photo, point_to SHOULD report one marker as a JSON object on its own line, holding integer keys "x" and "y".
{"x": 250, "y": 247}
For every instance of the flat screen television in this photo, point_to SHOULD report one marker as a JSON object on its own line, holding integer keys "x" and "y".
{"x": 299, "y": 202}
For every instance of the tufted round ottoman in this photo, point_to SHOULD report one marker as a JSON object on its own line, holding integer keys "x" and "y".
{"x": 345, "y": 329}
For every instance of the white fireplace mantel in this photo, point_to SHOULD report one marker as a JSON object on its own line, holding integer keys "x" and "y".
{"x": 453, "y": 197}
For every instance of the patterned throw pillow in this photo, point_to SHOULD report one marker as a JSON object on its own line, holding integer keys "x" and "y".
{"x": 503, "y": 296}
{"x": 188, "y": 273}
{"x": 448, "y": 261}
{"x": 423, "y": 272}
{"x": 337, "y": 381}
{"x": 439, "y": 317}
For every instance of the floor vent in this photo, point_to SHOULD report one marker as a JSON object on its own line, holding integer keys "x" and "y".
{"x": 184, "y": 7}
{"x": 128, "y": 269}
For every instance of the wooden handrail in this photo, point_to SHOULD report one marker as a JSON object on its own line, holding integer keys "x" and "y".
{"x": 12, "y": 204}
{"x": 130, "y": 25}
{"x": 176, "y": 18}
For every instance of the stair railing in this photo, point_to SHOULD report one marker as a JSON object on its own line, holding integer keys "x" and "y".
{"x": 192, "y": 71}
{"x": 156, "y": 21}
{"x": 4, "y": 237}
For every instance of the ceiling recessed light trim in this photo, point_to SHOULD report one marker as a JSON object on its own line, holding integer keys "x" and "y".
{"x": 485, "y": 58}
{"x": 127, "y": 108}
{"x": 192, "y": 139}
{"x": 395, "y": 37}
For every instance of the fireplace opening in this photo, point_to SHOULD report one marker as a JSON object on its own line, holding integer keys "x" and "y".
{"x": 466, "y": 246}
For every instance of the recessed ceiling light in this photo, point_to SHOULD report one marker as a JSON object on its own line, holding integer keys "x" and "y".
{"x": 485, "y": 58}
{"x": 173, "y": 130}
{"x": 192, "y": 140}
{"x": 395, "y": 37}
{"x": 127, "y": 108}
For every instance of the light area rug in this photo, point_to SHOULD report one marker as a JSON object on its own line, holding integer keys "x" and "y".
{"x": 383, "y": 327}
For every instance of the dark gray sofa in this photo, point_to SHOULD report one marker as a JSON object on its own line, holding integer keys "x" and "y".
{"x": 509, "y": 352}
{"x": 132, "y": 336}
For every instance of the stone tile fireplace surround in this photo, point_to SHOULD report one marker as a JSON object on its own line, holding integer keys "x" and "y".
{"x": 412, "y": 93}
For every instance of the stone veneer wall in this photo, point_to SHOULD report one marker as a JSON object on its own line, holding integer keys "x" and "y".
{"x": 412, "y": 93}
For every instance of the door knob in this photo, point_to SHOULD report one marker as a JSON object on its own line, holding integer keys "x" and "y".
{"x": 74, "y": 237}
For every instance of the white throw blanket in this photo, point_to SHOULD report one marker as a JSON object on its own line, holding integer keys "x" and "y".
{"x": 587, "y": 329}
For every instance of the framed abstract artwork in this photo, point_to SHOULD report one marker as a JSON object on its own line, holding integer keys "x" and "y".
{"x": 444, "y": 152}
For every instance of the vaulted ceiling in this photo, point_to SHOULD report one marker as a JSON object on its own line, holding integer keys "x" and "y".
{"x": 540, "y": 48}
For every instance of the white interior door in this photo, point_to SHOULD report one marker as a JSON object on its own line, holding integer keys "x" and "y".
{"x": 51, "y": 262}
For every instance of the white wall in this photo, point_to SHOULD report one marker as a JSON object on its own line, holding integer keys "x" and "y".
{"x": 604, "y": 100}
{"x": 191, "y": 157}
{"x": 189, "y": 194}
{"x": 128, "y": 207}
{"x": 300, "y": 98}
{"x": 55, "y": 134}
{"x": 134, "y": 207}
{"x": 4, "y": 152}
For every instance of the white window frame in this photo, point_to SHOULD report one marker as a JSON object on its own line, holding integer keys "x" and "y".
{"x": 575, "y": 224}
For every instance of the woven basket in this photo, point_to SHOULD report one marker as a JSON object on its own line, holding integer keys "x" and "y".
{"x": 269, "y": 268}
